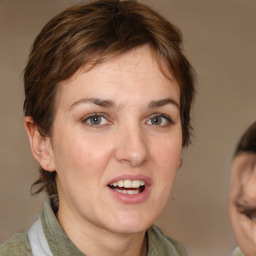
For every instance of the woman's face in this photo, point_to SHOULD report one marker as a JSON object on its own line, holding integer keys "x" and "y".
{"x": 116, "y": 143}
{"x": 242, "y": 201}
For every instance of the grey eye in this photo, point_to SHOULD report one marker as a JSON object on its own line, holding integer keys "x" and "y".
{"x": 156, "y": 120}
{"x": 159, "y": 120}
{"x": 96, "y": 120}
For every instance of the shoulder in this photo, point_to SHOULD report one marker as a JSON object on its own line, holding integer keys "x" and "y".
{"x": 157, "y": 242}
{"x": 17, "y": 245}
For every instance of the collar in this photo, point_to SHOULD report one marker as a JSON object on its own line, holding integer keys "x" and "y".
{"x": 60, "y": 244}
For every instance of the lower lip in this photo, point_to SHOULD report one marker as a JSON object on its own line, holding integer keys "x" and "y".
{"x": 131, "y": 199}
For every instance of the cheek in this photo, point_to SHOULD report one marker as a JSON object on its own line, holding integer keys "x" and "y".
{"x": 167, "y": 159}
{"x": 232, "y": 213}
{"x": 76, "y": 153}
{"x": 168, "y": 154}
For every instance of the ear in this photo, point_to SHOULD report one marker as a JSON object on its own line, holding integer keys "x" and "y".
{"x": 41, "y": 146}
{"x": 180, "y": 163}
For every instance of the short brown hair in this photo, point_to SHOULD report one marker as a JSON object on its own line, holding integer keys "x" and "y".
{"x": 247, "y": 142}
{"x": 90, "y": 34}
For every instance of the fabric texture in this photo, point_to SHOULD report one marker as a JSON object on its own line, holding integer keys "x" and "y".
{"x": 61, "y": 245}
{"x": 17, "y": 245}
{"x": 237, "y": 252}
{"x": 37, "y": 239}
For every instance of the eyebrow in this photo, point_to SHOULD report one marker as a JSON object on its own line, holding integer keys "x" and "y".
{"x": 163, "y": 102}
{"x": 111, "y": 104}
{"x": 96, "y": 101}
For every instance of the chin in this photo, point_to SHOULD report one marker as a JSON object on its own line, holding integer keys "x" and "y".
{"x": 131, "y": 223}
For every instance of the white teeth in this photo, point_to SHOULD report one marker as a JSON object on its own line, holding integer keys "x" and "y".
{"x": 129, "y": 192}
{"x": 132, "y": 192}
{"x": 126, "y": 184}
{"x": 142, "y": 183}
{"x": 135, "y": 183}
{"x": 120, "y": 183}
{"x": 129, "y": 183}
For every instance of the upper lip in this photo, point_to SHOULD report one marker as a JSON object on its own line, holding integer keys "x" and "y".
{"x": 141, "y": 177}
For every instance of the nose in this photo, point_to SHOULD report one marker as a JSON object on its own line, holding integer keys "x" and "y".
{"x": 132, "y": 146}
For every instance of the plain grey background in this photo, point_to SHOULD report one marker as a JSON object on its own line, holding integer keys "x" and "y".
{"x": 219, "y": 40}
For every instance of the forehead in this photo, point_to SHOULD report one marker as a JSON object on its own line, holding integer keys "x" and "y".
{"x": 139, "y": 59}
{"x": 137, "y": 67}
{"x": 244, "y": 160}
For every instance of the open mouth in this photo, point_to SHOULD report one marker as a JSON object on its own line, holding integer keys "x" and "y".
{"x": 130, "y": 187}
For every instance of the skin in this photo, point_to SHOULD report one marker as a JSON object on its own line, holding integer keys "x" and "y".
{"x": 242, "y": 202}
{"x": 128, "y": 140}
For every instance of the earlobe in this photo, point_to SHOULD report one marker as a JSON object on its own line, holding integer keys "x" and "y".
{"x": 40, "y": 145}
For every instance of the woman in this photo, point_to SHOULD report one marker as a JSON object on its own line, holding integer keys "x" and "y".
{"x": 107, "y": 111}
{"x": 242, "y": 194}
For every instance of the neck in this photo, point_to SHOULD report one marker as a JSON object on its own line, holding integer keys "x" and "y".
{"x": 100, "y": 241}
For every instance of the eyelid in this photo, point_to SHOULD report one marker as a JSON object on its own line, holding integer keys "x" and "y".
{"x": 165, "y": 116}
{"x": 96, "y": 114}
